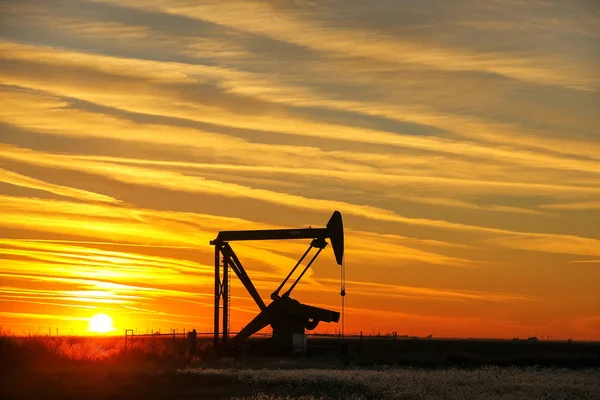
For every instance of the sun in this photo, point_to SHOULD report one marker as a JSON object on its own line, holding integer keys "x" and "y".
{"x": 101, "y": 323}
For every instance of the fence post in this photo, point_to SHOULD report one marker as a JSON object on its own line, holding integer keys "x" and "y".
{"x": 192, "y": 342}
{"x": 128, "y": 332}
{"x": 360, "y": 346}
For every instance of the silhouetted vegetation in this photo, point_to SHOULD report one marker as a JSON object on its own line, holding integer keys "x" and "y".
{"x": 39, "y": 351}
{"x": 160, "y": 367}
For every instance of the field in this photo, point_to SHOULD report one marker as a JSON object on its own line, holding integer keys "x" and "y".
{"x": 104, "y": 368}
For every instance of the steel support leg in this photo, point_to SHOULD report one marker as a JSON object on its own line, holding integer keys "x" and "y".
{"x": 217, "y": 292}
{"x": 225, "y": 295}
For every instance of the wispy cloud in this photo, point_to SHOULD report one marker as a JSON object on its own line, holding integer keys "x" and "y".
{"x": 54, "y": 317}
{"x": 264, "y": 19}
{"x": 562, "y": 244}
{"x": 180, "y": 182}
{"x": 584, "y": 205}
{"x": 400, "y": 291}
{"x": 14, "y": 178}
{"x": 388, "y": 179}
{"x": 150, "y": 99}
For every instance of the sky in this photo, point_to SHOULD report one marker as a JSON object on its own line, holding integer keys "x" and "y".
{"x": 459, "y": 140}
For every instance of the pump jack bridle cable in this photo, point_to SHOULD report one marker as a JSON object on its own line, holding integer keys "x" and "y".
{"x": 343, "y": 289}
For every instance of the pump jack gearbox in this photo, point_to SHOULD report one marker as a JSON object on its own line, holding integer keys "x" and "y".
{"x": 285, "y": 315}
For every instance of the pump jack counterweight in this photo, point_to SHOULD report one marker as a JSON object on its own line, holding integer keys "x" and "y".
{"x": 285, "y": 315}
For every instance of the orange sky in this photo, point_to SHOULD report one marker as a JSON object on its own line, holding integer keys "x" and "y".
{"x": 459, "y": 140}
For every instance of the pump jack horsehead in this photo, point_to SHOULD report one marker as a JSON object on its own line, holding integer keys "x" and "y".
{"x": 285, "y": 315}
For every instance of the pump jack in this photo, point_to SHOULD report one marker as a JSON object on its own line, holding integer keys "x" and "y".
{"x": 285, "y": 315}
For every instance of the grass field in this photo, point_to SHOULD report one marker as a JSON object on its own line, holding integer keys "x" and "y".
{"x": 106, "y": 382}
{"x": 103, "y": 368}
{"x": 407, "y": 383}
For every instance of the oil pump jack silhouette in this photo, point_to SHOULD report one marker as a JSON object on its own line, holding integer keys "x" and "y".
{"x": 285, "y": 315}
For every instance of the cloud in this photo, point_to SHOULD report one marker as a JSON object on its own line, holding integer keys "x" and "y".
{"x": 364, "y": 246}
{"x": 180, "y": 182}
{"x": 586, "y": 205}
{"x": 16, "y": 179}
{"x": 260, "y": 18}
{"x": 54, "y": 317}
{"x": 550, "y": 243}
{"x": 455, "y": 98}
{"x": 388, "y": 290}
{"x": 150, "y": 99}
{"x": 117, "y": 266}
{"x": 105, "y": 288}
{"x": 409, "y": 177}
{"x": 423, "y": 86}
{"x": 127, "y": 225}
{"x": 350, "y": 170}
{"x": 471, "y": 206}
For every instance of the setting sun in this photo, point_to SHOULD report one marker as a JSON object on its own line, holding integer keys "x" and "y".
{"x": 101, "y": 323}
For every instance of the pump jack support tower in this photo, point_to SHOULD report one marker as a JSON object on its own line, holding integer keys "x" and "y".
{"x": 285, "y": 315}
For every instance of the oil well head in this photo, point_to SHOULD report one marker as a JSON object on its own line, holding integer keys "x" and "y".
{"x": 286, "y": 316}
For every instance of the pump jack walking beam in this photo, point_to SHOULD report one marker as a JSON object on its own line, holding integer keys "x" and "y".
{"x": 281, "y": 306}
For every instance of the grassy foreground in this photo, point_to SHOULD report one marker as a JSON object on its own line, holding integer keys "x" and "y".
{"x": 55, "y": 368}
{"x": 406, "y": 383}
{"x": 104, "y": 382}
